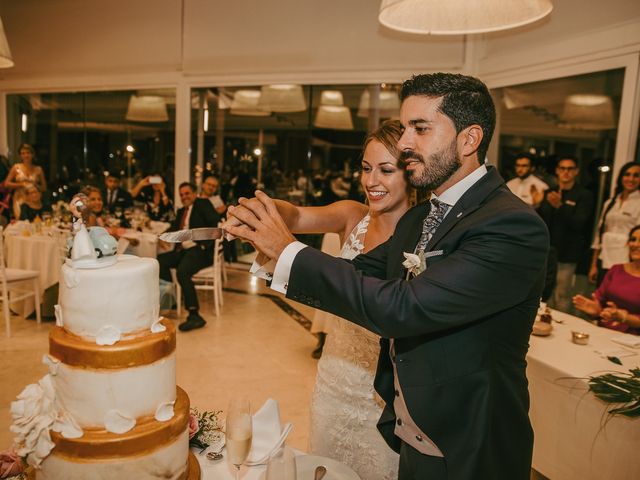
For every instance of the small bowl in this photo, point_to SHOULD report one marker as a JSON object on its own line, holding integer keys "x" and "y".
{"x": 580, "y": 338}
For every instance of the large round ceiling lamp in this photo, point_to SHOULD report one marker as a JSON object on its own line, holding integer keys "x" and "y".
{"x": 460, "y": 17}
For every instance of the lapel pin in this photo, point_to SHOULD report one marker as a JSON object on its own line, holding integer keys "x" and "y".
{"x": 459, "y": 215}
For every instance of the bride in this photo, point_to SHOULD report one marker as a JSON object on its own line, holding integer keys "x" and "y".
{"x": 345, "y": 408}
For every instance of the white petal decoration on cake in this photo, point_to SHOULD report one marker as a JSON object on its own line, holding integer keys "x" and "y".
{"x": 70, "y": 277}
{"x": 57, "y": 310}
{"x": 33, "y": 413}
{"x": 115, "y": 422}
{"x": 164, "y": 411}
{"x": 157, "y": 327}
{"x": 66, "y": 426}
{"x": 108, "y": 335}
{"x": 52, "y": 362}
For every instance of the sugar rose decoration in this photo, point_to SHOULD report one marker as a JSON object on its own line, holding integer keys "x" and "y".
{"x": 34, "y": 414}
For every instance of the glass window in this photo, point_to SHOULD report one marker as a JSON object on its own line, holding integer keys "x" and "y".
{"x": 79, "y": 137}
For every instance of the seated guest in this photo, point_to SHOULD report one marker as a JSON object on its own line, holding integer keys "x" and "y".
{"x": 617, "y": 301}
{"x": 114, "y": 196}
{"x": 96, "y": 205}
{"x": 152, "y": 191}
{"x": 32, "y": 206}
{"x": 210, "y": 191}
{"x": 190, "y": 257}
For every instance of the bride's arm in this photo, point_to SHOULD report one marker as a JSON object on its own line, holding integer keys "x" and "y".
{"x": 330, "y": 218}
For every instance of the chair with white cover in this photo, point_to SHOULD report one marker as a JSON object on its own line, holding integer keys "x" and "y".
{"x": 209, "y": 278}
{"x": 20, "y": 283}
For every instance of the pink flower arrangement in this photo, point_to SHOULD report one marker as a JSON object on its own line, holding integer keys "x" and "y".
{"x": 194, "y": 426}
{"x": 10, "y": 464}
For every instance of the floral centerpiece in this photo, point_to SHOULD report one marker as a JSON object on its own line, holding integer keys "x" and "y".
{"x": 205, "y": 428}
{"x": 622, "y": 389}
{"x": 11, "y": 466}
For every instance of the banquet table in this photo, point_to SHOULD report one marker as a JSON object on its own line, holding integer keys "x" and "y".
{"x": 41, "y": 252}
{"x": 573, "y": 436}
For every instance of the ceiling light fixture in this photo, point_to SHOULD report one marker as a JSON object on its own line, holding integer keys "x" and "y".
{"x": 460, "y": 17}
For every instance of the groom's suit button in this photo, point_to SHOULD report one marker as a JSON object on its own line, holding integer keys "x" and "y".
{"x": 419, "y": 438}
{"x": 399, "y": 422}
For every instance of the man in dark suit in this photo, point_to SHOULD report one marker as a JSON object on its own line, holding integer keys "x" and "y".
{"x": 190, "y": 257}
{"x": 114, "y": 196}
{"x": 455, "y": 329}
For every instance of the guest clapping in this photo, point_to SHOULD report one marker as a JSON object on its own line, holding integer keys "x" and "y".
{"x": 617, "y": 302}
{"x": 32, "y": 206}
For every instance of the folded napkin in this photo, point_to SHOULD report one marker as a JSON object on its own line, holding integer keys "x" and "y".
{"x": 627, "y": 341}
{"x": 268, "y": 433}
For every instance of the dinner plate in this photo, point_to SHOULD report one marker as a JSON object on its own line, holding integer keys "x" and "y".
{"x": 306, "y": 466}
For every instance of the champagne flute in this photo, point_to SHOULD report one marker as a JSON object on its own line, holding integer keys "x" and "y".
{"x": 238, "y": 432}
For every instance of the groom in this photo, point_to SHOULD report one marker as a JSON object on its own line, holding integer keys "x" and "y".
{"x": 454, "y": 334}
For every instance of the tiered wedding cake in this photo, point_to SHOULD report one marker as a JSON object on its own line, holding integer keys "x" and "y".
{"x": 109, "y": 407}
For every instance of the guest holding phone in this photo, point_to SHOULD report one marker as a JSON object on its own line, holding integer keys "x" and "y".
{"x": 152, "y": 191}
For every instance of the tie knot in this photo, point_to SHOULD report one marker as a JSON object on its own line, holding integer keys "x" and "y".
{"x": 439, "y": 205}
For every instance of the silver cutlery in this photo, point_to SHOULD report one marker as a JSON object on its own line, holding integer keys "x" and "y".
{"x": 194, "y": 234}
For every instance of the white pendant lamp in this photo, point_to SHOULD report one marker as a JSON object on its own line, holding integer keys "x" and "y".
{"x": 245, "y": 103}
{"x": 6, "y": 60}
{"x": 284, "y": 98}
{"x": 332, "y": 113}
{"x": 388, "y": 104}
{"x": 147, "y": 108}
{"x": 588, "y": 112}
{"x": 460, "y": 17}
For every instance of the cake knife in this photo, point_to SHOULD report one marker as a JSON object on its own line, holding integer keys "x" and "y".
{"x": 194, "y": 234}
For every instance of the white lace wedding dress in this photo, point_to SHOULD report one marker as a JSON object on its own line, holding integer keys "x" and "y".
{"x": 345, "y": 407}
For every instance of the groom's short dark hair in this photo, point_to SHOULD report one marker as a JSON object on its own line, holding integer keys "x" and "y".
{"x": 465, "y": 100}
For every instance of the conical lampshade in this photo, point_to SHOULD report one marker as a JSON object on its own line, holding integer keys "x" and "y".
{"x": 331, "y": 97}
{"x": 147, "y": 109}
{"x": 460, "y": 17}
{"x": 388, "y": 103}
{"x": 333, "y": 116}
{"x": 283, "y": 98}
{"x": 588, "y": 112}
{"x": 245, "y": 102}
{"x": 6, "y": 60}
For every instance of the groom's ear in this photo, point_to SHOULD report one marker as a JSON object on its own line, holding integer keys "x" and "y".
{"x": 469, "y": 140}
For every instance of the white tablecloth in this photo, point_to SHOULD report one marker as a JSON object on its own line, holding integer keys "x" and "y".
{"x": 571, "y": 439}
{"x": 147, "y": 243}
{"x": 35, "y": 252}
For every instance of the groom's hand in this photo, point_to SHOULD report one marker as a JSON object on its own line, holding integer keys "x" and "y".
{"x": 262, "y": 225}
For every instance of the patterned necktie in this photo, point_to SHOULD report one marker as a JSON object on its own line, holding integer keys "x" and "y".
{"x": 431, "y": 222}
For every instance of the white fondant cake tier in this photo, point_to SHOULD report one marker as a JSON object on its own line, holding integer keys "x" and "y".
{"x": 124, "y": 296}
{"x": 89, "y": 395}
{"x": 167, "y": 462}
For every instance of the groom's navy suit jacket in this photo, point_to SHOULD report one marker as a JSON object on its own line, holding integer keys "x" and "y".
{"x": 461, "y": 327}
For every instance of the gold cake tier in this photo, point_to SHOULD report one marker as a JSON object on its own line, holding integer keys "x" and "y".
{"x": 143, "y": 348}
{"x": 148, "y": 435}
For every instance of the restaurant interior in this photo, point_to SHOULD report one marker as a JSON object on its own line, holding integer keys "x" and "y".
{"x": 280, "y": 96}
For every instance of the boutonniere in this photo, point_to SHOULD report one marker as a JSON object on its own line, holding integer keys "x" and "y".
{"x": 415, "y": 264}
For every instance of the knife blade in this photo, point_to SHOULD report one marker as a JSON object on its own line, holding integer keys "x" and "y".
{"x": 194, "y": 234}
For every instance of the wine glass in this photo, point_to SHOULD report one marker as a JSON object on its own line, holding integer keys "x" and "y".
{"x": 238, "y": 432}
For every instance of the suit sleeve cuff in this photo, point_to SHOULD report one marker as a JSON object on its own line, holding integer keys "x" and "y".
{"x": 282, "y": 271}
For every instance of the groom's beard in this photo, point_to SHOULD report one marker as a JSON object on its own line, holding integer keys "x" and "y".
{"x": 432, "y": 173}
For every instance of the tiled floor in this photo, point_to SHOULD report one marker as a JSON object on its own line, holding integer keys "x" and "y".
{"x": 254, "y": 348}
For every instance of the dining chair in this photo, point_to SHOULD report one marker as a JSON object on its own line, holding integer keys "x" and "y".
{"x": 209, "y": 278}
{"x": 20, "y": 283}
